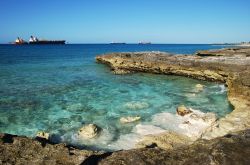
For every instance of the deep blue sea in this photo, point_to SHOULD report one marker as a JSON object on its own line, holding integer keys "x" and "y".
{"x": 59, "y": 88}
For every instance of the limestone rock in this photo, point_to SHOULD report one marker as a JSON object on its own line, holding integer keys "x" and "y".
{"x": 43, "y": 135}
{"x": 23, "y": 150}
{"x": 89, "y": 131}
{"x": 168, "y": 140}
{"x": 182, "y": 110}
{"x": 121, "y": 71}
{"x": 232, "y": 149}
{"x": 129, "y": 119}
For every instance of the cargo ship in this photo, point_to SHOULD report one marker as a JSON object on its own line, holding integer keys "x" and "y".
{"x": 35, "y": 40}
{"x": 20, "y": 41}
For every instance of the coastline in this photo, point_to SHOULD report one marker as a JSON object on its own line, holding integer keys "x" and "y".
{"x": 229, "y": 68}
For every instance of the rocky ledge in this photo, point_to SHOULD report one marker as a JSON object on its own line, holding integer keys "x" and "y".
{"x": 230, "y": 149}
{"x": 230, "y": 66}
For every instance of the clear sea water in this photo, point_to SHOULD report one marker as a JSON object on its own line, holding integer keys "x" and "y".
{"x": 59, "y": 88}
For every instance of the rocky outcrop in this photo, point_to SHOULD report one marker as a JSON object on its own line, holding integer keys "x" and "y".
{"x": 231, "y": 149}
{"x": 167, "y": 141}
{"x": 238, "y": 51}
{"x": 231, "y": 66}
{"x": 23, "y": 150}
{"x": 43, "y": 135}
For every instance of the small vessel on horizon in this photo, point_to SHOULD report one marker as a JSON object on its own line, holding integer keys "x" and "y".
{"x": 144, "y": 43}
{"x": 117, "y": 43}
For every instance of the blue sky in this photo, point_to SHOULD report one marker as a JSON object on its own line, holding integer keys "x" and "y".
{"x": 103, "y": 21}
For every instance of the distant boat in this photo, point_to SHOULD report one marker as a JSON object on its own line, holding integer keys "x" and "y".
{"x": 144, "y": 43}
{"x": 35, "y": 40}
{"x": 20, "y": 41}
{"x": 117, "y": 43}
{"x": 48, "y": 42}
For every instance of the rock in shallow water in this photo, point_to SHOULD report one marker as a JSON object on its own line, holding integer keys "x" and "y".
{"x": 199, "y": 87}
{"x": 43, "y": 135}
{"x": 89, "y": 131}
{"x": 182, "y": 110}
{"x": 129, "y": 119}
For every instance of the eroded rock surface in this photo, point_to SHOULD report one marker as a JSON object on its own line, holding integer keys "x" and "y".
{"x": 89, "y": 131}
{"x": 231, "y": 149}
{"x": 182, "y": 110}
{"x": 167, "y": 140}
{"x": 23, "y": 150}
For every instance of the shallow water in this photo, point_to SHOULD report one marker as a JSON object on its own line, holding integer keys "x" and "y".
{"x": 58, "y": 89}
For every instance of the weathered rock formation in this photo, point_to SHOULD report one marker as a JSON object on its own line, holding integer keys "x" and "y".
{"x": 182, "y": 110}
{"x": 231, "y": 66}
{"x": 242, "y": 51}
{"x": 23, "y": 150}
{"x": 43, "y": 135}
{"x": 167, "y": 141}
{"x": 231, "y": 149}
{"x": 89, "y": 131}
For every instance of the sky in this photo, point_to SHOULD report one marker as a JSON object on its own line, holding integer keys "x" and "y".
{"x": 131, "y": 21}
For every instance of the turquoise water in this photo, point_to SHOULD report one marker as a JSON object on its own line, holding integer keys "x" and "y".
{"x": 58, "y": 89}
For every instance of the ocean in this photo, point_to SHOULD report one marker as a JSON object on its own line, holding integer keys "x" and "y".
{"x": 60, "y": 88}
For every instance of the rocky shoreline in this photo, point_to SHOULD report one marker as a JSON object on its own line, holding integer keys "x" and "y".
{"x": 226, "y": 141}
{"x": 230, "y": 66}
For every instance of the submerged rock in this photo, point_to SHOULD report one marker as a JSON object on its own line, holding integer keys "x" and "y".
{"x": 199, "y": 87}
{"x": 134, "y": 105}
{"x": 89, "y": 131}
{"x": 43, "y": 135}
{"x": 121, "y": 71}
{"x": 182, "y": 110}
{"x": 129, "y": 119}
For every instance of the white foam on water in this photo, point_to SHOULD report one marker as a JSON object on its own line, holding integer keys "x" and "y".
{"x": 125, "y": 142}
{"x": 101, "y": 140}
{"x": 223, "y": 88}
{"x": 143, "y": 130}
{"x": 191, "y": 125}
{"x": 130, "y": 140}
